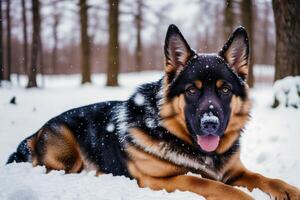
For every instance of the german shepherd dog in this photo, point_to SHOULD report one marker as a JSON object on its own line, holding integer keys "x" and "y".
{"x": 188, "y": 121}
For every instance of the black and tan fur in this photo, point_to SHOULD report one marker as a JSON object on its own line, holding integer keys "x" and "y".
{"x": 152, "y": 137}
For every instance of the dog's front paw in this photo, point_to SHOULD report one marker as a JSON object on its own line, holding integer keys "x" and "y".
{"x": 280, "y": 190}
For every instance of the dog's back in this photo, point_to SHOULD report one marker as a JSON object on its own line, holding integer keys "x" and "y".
{"x": 81, "y": 138}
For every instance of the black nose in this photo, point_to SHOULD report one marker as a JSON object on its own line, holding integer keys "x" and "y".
{"x": 210, "y": 126}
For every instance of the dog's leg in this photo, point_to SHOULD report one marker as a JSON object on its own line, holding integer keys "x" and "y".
{"x": 56, "y": 148}
{"x": 277, "y": 189}
{"x": 211, "y": 190}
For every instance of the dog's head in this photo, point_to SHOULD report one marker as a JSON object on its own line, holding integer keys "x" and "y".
{"x": 202, "y": 91}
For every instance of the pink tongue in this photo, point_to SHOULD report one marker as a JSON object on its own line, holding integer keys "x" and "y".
{"x": 208, "y": 142}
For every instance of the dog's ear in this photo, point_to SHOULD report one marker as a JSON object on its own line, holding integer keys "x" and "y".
{"x": 236, "y": 52}
{"x": 177, "y": 51}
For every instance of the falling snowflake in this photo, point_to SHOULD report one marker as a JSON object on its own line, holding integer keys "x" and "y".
{"x": 110, "y": 127}
{"x": 139, "y": 99}
{"x": 150, "y": 123}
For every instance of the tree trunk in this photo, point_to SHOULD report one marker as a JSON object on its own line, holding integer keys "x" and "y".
{"x": 218, "y": 29}
{"x": 25, "y": 41}
{"x": 85, "y": 43}
{"x": 56, "y": 18}
{"x": 35, "y": 44}
{"x": 8, "y": 37}
{"x": 287, "y": 22}
{"x": 228, "y": 18}
{"x": 41, "y": 58}
{"x": 265, "y": 59}
{"x": 1, "y": 46}
{"x": 247, "y": 22}
{"x": 113, "y": 45}
{"x": 138, "y": 24}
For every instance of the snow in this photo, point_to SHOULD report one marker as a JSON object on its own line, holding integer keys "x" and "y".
{"x": 209, "y": 117}
{"x": 36, "y": 184}
{"x": 150, "y": 123}
{"x": 122, "y": 123}
{"x": 110, "y": 127}
{"x": 263, "y": 70}
{"x": 139, "y": 99}
{"x": 287, "y": 90}
{"x": 270, "y": 143}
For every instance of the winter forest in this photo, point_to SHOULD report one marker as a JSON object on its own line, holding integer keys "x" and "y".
{"x": 67, "y": 37}
{"x": 56, "y": 55}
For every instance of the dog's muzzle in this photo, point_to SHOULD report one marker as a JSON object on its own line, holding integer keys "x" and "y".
{"x": 209, "y": 123}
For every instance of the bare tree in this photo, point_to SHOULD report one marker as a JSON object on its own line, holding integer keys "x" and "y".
{"x": 35, "y": 43}
{"x": 55, "y": 37}
{"x": 25, "y": 40}
{"x": 287, "y": 22}
{"x": 113, "y": 44}
{"x": 266, "y": 33}
{"x": 228, "y": 18}
{"x": 8, "y": 37}
{"x": 85, "y": 43}
{"x": 41, "y": 56}
{"x": 1, "y": 46}
{"x": 247, "y": 22}
{"x": 56, "y": 22}
{"x": 217, "y": 40}
{"x": 138, "y": 24}
{"x": 162, "y": 22}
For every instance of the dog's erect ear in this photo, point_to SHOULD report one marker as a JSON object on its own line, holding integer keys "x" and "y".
{"x": 177, "y": 51}
{"x": 236, "y": 52}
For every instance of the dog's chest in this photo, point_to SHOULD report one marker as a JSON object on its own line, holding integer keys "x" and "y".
{"x": 182, "y": 156}
{"x": 206, "y": 166}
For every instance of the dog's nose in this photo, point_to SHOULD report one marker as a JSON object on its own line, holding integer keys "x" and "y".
{"x": 210, "y": 127}
{"x": 209, "y": 123}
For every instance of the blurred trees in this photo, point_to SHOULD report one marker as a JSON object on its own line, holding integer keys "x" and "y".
{"x": 228, "y": 18}
{"x": 113, "y": 44}
{"x": 35, "y": 44}
{"x": 266, "y": 25}
{"x": 56, "y": 22}
{"x": 287, "y": 21}
{"x": 1, "y": 46}
{"x": 138, "y": 19}
{"x": 243, "y": 9}
{"x": 41, "y": 51}
{"x": 8, "y": 39}
{"x": 25, "y": 40}
{"x": 247, "y": 22}
{"x": 85, "y": 43}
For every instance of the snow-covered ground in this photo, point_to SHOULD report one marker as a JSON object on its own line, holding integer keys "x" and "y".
{"x": 286, "y": 91}
{"x": 270, "y": 143}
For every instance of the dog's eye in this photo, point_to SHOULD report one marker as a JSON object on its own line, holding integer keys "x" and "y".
{"x": 225, "y": 89}
{"x": 191, "y": 90}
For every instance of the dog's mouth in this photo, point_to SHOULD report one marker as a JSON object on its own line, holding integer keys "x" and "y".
{"x": 208, "y": 142}
{"x": 210, "y": 127}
